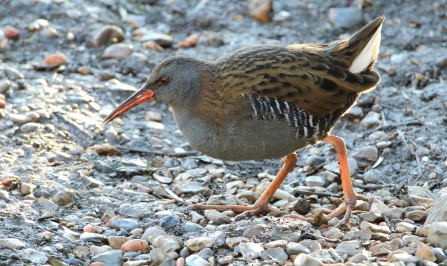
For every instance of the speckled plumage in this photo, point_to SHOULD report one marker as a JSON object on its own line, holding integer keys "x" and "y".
{"x": 266, "y": 101}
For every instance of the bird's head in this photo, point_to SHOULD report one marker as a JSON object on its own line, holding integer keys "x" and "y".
{"x": 174, "y": 81}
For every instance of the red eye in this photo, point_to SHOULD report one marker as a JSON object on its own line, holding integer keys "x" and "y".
{"x": 164, "y": 81}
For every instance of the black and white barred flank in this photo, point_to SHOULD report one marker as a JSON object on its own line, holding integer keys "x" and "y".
{"x": 308, "y": 126}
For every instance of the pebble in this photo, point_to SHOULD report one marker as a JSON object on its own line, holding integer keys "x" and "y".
{"x": 126, "y": 224}
{"x": 169, "y": 222}
{"x": 437, "y": 234}
{"x": 4, "y": 85}
{"x": 24, "y": 118}
{"x": 34, "y": 256}
{"x": 168, "y": 243}
{"x": 11, "y": 33}
{"x": 334, "y": 167}
{"x": 373, "y": 216}
{"x": 306, "y": 260}
{"x": 439, "y": 254}
{"x": 109, "y": 258}
{"x": 55, "y": 59}
{"x": 117, "y": 51}
{"x": 261, "y": 10}
{"x": 334, "y": 233}
{"x": 349, "y": 248}
{"x": 108, "y": 34}
{"x": 316, "y": 181}
{"x": 372, "y": 119}
{"x": 275, "y": 244}
{"x": 12, "y": 243}
{"x": 251, "y": 251}
{"x": 93, "y": 237}
{"x": 373, "y": 176}
{"x": 196, "y": 260}
{"x": 424, "y": 251}
{"x": 345, "y": 17}
{"x": 232, "y": 242}
{"x": 417, "y": 215}
{"x": 106, "y": 149}
{"x": 274, "y": 254}
{"x": 145, "y": 35}
{"x": 375, "y": 228}
{"x": 355, "y": 112}
{"x": 63, "y": 197}
{"x": 322, "y": 255}
{"x": 217, "y": 218}
{"x": 394, "y": 213}
{"x": 438, "y": 212}
{"x": 369, "y": 153}
{"x": 131, "y": 245}
{"x": 364, "y": 234}
{"x": 199, "y": 243}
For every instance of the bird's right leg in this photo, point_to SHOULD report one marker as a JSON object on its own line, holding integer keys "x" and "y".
{"x": 261, "y": 204}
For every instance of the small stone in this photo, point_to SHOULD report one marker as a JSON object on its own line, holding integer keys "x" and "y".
{"x": 394, "y": 213}
{"x": 108, "y": 34}
{"x": 358, "y": 258}
{"x": 349, "y": 248}
{"x": 370, "y": 120}
{"x": 375, "y": 228}
{"x": 106, "y": 149}
{"x": 196, "y": 260}
{"x": 334, "y": 233}
{"x": 63, "y": 198}
{"x": 439, "y": 254}
{"x": 12, "y": 243}
{"x": 145, "y": 35}
{"x": 437, "y": 234}
{"x": 261, "y": 10}
{"x": 27, "y": 188}
{"x": 156, "y": 126}
{"x": 217, "y": 217}
{"x": 116, "y": 241}
{"x": 369, "y": 153}
{"x": 109, "y": 258}
{"x": 424, "y": 251}
{"x": 405, "y": 258}
{"x": 199, "y": 243}
{"x": 157, "y": 256}
{"x": 34, "y": 256}
{"x": 364, "y": 234}
{"x": 355, "y": 112}
{"x": 274, "y": 254}
{"x": 373, "y": 216}
{"x": 345, "y": 17}
{"x": 306, "y": 260}
{"x": 417, "y": 215}
{"x": 4, "y": 85}
{"x": 118, "y": 51}
{"x": 131, "y": 245}
{"x": 293, "y": 248}
{"x": 126, "y": 224}
{"x": 438, "y": 212}
{"x": 92, "y": 237}
{"x": 232, "y": 242}
{"x": 322, "y": 255}
{"x": 251, "y": 251}
{"x": 55, "y": 59}
{"x": 316, "y": 181}
{"x": 275, "y": 244}
{"x": 11, "y": 32}
{"x": 373, "y": 176}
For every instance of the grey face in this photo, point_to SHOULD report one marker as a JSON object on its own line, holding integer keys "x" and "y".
{"x": 174, "y": 81}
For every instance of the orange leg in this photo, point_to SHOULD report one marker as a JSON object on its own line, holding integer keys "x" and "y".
{"x": 260, "y": 205}
{"x": 348, "y": 191}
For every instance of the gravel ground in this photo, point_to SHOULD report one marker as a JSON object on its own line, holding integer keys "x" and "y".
{"x": 76, "y": 192}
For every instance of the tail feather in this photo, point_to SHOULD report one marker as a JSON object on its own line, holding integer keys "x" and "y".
{"x": 362, "y": 48}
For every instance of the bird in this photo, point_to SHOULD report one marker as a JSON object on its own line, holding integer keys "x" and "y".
{"x": 267, "y": 101}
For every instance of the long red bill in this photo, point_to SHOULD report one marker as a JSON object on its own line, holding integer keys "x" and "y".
{"x": 141, "y": 96}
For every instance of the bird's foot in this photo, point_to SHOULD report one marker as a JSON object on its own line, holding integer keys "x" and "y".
{"x": 346, "y": 208}
{"x": 245, "y": 210}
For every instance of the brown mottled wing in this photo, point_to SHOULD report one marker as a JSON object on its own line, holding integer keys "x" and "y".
{"x": 301, "y": 74}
